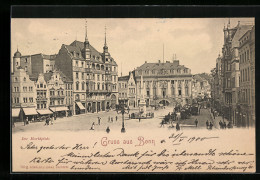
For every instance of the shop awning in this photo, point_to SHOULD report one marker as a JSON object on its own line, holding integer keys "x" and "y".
{"x": 80, "y": 105}
{"x": 44, "y": 111}
{"x": 15, "y": 112}
{"x": 55, "y": 109}
{"x": 29, "y": 111}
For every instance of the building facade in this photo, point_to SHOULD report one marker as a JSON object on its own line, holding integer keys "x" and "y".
{"x": 164, "y": 83}
{"x": 201, "y": 87}
{"x": 123, "y": 90}
{"x": 231, "y": 73}
{"x": 23, "y": 95}
{"x": 94, "y": 76}
{"x": 244, "y": 117}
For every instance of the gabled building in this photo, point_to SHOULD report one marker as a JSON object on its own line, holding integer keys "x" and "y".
{"x": 94, "y": 75}
{"x": 201, "y": 87}
{"x": 23, "y": 97}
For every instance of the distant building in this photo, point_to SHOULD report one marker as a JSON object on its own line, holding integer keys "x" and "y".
{"x": 127, "y": 90}
{"x": 165, "y": 83}
{"x": 34, "y": 64}
{"x": 201, "y": 87}
{"x": 94, "y": 75}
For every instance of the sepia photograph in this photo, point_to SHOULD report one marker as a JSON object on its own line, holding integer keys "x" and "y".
{"x": 133, "y": 94}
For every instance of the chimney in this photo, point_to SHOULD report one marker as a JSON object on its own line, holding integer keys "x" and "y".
{"x": 159, "y": 61}
{"x": 176, "y": 62}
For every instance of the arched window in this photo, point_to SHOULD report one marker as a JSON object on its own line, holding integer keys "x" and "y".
{"x": 98, "y": 67}
{"x": 93, "y": 66}
{"x": 98, "y": 86}
{"x": 102, "y": 67}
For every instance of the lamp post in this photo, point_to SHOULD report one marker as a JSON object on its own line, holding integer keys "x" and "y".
{"x": 123, "y": 110}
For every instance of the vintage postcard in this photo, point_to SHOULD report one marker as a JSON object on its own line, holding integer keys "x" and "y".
{"x": 133, "y": 95}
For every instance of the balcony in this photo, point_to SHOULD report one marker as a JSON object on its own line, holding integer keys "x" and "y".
{"x": 107, "y": 72}
{"x": 57, "y": 96}
{"x": 41, "y": 98}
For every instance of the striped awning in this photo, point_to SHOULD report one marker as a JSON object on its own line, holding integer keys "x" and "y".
{"x": 80, "y": 105}
{"x": 55, "y": 109}
{"x": 44, "y": 111}
{"x": 29, "y": 111}
{"x": 16, "y": 112}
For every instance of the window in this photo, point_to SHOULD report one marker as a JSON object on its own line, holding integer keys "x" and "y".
{"x": 115, "y": 78}
{"x": 179, "y": 91}
{"x": 17, "y": 89}
{"x": 24, "y": 79}
{"x": 98, "y": 86}
{"x": 148, "y": 93}
{"x": 114, "y": 68}
{"x": 41, "y": 85}
{"x": 77, "y": 75}
{"x": 62, "y": 101}
{"x": 82, "y": 75}
{"x": 77, "y": 85}
{"x": 82, "y": 64}
{"x": 83, "y": 85}
{"x": 77, "y": 63}
{"x": 102, "y": 77}
{"x": 173, "y": 90}
{"x": 186, "y": 91}
{"x": 16, "y": 79}
{"x": 98, "y": 77}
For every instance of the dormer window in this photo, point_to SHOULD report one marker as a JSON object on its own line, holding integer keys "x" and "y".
{"x": 106, "y": 59}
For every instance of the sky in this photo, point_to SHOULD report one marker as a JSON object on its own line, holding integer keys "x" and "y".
{"x": 195, "y": 41}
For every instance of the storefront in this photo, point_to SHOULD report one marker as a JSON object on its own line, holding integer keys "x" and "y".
{"x": 16, "y": 115}
{"x": 60, "y": 111}
{"x": 30, "y": 113}
{"x": 44, "y": 113}
{"x": 80, "y": 109}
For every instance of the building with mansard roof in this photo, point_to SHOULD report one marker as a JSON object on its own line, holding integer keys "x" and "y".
{"x": 94, "y": 75}
{"x": 166, "y": 83}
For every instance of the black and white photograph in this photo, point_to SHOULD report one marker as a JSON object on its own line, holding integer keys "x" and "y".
{"x": 133, "y": 94}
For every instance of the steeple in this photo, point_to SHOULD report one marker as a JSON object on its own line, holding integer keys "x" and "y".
{"x": 86, "y": 32}
{"x": 105, "y": 48}
{"x": 86, "y": 50}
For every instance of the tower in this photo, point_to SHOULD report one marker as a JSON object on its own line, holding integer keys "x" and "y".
{"x": 86, "y": 50}
{"x": 16, "y": 60}
{"x": 106, "y": 54}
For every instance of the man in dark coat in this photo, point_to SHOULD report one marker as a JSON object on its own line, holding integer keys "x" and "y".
{"x": 207, "y": 124}
{"x": 178, "y": 127}
{"x": 196, "y": 123}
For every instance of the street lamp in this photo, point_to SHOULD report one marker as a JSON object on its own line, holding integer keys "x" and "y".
{"x": 123, "y": 110}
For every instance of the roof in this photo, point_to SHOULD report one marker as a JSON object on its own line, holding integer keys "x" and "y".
{"x": 47, "y": 76}
{"x": 17, "y": 54}
{"x": 123, "y": 78}
{"x": 159, "y": 66}
{"x": 78, "y": 46}
{"x": 202, "y": 77}
{"x": 241, "y": 30}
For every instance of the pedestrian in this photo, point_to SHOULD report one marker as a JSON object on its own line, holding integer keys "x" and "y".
{"x": 210, "y": 125}
{"x": 207, "y": 124}
{"x": 213, "y": 114}
{"x": 129, "y": 116}
{"x": 108, "y": 118}
{"x": 220, "y": 125}
{"x": 224, "y": 125}
{"x": 108, "y": 129}
{"x": 52, "y": 119}
{"x": 111, "y": 119}
{"x": 116, "y": 118}
{"x": 93, "y": 126}
{"x": 27, "y": 120}
{"x": 177, "y": 127}
{"x": 99, "y": 120}
{"x": 196, "y": 123}
{"x": 139, "y": 119}
{"x": 162, "y": 123}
